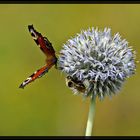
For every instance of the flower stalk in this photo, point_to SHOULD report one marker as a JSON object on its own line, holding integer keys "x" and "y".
{"x": 91, "y": 115}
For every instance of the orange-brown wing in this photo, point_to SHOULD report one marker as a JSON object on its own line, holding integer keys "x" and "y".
{"x": 37, "y": 74}
{"x": 48, "y": 50}
{"x": 44, "y": 44}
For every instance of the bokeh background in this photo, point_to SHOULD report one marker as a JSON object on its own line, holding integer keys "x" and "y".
{"x": 47, "y": 107}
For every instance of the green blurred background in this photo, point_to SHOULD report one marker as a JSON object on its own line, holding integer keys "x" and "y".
{"x": 47, "y": 107}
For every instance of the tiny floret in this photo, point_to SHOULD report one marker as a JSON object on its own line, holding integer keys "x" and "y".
{"x": 97, "y": 61}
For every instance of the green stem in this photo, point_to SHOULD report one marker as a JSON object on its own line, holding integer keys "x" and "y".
{"x": 90, "y": 117}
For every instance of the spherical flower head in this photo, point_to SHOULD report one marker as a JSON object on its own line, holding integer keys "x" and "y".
{"x": 98, "y": 61}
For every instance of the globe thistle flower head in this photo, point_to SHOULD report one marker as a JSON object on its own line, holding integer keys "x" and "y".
{"x": 98, "y": 61}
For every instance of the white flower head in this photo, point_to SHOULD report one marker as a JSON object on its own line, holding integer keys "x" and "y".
{"x": 97, "y": 58}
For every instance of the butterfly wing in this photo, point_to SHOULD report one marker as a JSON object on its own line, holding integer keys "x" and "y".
{"x": 44, "y": 44}
{"x": 47, "y": 49}
{"x": 37, "y": 74}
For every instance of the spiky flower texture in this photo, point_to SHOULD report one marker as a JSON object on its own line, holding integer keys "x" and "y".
{"x": 99, "y": 61}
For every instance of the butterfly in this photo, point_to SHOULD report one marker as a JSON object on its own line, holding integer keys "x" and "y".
{"x": 47, "y": 48}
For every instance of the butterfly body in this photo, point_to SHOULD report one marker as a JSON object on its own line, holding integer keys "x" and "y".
{"x": 46, "y": 47}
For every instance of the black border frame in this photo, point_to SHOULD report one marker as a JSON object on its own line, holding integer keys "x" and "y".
{"x": 70, "y": 2}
